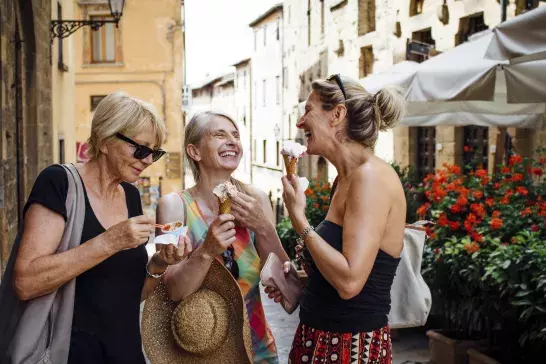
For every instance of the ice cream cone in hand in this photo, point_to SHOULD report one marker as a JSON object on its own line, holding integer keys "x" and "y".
{"x": 225, "y": 192}
{"x": 292, "y": 152}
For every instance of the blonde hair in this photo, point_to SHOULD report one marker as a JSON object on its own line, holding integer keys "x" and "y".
{"x": 367, "y": 114}
{"x": 194, "y": 133}
{"x": 121, "y": 113}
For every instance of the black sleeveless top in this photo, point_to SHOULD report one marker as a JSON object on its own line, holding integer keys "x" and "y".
{"x": 105, "y": 327}
{"x": 322, "y": 308}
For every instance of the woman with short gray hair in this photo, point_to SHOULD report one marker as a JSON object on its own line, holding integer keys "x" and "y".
{"x": 110, "y": 265}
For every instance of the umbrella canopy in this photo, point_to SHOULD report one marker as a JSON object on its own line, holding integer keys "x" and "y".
{"x": 522, "y": 36}
{"x": 458, "y": 74}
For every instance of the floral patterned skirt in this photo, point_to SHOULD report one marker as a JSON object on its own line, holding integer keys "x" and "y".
{"x": 317, "y": 346}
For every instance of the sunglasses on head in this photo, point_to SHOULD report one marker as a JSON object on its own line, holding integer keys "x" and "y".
{"x": 337, "y": 78}
{"x": 229, "y": 262}
{"x": 142, "y": 151}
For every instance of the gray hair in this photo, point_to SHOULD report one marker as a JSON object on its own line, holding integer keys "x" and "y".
{"x": 121, "y": 113}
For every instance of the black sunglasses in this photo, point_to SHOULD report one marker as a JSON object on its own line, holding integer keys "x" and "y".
{"x": 142, "y": 151}
{"x": 339, "y": 83}
{"x": 230, "y": 263}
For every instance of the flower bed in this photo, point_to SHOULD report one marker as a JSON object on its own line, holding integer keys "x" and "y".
{"x": 485, "y": 260}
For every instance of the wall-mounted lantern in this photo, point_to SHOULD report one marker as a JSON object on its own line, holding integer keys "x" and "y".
{"x": 64, "y": 28}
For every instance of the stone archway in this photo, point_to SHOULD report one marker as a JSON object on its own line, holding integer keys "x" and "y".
{"x": 322, "y": 169}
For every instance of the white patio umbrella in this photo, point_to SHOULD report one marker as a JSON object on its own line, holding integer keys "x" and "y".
{"x": 520, "y": 39}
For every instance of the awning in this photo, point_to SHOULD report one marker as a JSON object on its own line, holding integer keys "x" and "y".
{"x": 522, "y": 36}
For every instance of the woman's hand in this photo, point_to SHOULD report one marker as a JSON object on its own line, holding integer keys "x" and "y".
{"x": 170, "y": 254}
{"x": 128, "y": 234}
{"x": 220, "y": 236}
{"x": 249, "y": 212}
{"x": 294, "y": 199}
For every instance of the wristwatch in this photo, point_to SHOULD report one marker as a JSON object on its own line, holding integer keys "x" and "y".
{"x": 300, "y": 240}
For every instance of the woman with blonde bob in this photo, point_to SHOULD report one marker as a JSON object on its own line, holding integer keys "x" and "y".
{"x": 110, "y": 265}
{"x": 351, "y": 257}
{"x": 243, "y": 239}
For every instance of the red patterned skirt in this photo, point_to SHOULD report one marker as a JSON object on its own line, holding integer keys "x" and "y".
{"x": 316, "y": 346}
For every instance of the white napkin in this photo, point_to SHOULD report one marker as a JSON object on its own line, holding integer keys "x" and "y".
{"x": 171, "y": 237}
{"x": 303, "y": 182}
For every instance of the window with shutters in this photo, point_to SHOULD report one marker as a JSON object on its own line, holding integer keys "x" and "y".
{"x": 422, "y": 38}
{"x": 468, "y": 26}
{"x": 95, "y": 100}
{"x": 366, "y": 61}
{"x": 103, "y": 42}
{"x": 426, "y": 150}
{"x": 366, "y": 16}
{"x": 265, "y": 151}
{"x": 475, "y": 147}
{"x": 416, "y": 7}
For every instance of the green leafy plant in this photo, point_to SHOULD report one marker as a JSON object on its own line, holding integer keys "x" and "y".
{"x": 484, "y": 259}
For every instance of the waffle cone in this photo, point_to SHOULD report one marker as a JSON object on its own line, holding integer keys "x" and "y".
{"x": 225, "y": 207}
{"x": 291, "y": 164}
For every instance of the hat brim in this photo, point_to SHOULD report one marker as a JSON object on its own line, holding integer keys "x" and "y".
{"x": 157, "y": 337}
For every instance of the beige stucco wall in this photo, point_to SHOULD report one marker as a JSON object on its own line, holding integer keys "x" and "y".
{"x": 150, "y": 48}
{"x": 63, "y": 90}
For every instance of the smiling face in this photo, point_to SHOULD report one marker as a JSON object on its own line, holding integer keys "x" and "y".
{"x": 120, "y": 154}
{"x": 220, "y": 148}
{"x": 317, "y": 124}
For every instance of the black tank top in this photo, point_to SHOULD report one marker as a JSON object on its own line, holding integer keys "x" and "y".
{"x": 322, "y": 308}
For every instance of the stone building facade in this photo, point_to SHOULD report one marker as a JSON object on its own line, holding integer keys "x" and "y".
{"x": 25, "y": 110}
{"x": 268, "y": 130}
{"x": 143, "y": 57}
{"x": 358, "y": 37}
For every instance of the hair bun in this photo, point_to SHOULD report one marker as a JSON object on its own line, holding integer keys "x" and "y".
{"x": 390, "y": 103}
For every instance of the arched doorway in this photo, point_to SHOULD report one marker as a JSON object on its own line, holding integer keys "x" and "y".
{"x": 322, "y": 169}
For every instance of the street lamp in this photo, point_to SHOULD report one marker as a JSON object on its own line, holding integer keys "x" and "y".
{"x": 64, "y": 28}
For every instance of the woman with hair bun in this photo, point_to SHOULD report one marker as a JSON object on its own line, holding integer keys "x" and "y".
{"x": 351, "y": 257}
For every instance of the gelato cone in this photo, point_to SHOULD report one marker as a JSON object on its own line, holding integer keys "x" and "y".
{"x": 225, "y": 192}
{"x": 291, "y": 164}
{"x": 291, "y": 152}
{"x": 225, "y": 206}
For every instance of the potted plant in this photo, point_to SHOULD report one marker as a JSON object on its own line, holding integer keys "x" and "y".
{"x": 481, "y": 220}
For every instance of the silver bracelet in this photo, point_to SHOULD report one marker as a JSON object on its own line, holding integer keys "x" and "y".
{"x": 301, "y": 239}
{"x": 151, "y": 275}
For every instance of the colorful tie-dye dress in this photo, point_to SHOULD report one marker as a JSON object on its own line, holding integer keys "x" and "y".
{"x": 263, "y": 344}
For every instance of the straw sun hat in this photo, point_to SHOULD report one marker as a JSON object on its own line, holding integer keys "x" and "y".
{"x": 208, "y": 327}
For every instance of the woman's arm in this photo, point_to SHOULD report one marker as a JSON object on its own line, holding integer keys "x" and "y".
{"x": 365, "y": 218}
{"x": 38, "y": 269}
{"x": 161, "y": 260}
{"x": 187, "y": 276}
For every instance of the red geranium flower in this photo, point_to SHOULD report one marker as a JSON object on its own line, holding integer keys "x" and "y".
{"x": 522, "y": 190}
{"x": 496, "y": 223}
{"x": 535, "y": 228}
{"x": 537, "y": 171}
{"x": 477, "y": 194}
{"x": 454, "y": 225}
{"x": 481, "y": 173}
{"x": 517, "y": 177}
{"x": 515, "y": 159}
